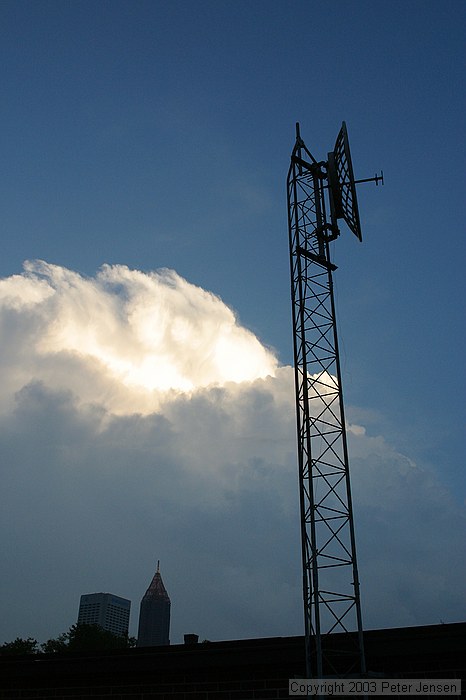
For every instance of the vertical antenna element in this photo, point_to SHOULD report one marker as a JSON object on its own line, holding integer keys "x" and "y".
{"x": 330, "y": 574}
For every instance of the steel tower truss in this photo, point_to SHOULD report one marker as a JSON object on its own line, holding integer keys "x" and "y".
{"x": 330, "y": 575}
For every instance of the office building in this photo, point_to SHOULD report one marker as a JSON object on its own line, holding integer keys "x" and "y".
{"x": 154, "y": 614}
{"x": 106, "y": 610}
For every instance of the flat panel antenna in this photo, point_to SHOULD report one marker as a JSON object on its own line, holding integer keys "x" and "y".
{"x": 342, "y": 183}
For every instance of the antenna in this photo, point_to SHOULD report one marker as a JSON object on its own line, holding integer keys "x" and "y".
{"x": 320, "y": 193}
{"x": 342, "y": 185}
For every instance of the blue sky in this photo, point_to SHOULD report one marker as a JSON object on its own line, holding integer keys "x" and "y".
{"x": 157, "y": 135}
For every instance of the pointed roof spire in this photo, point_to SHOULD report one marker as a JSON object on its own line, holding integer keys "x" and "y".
{"x": 156, "y": 588}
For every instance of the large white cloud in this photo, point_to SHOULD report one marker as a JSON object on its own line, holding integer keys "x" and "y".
{"x": 109, "y": 464}
{"x": 128, "y": 335}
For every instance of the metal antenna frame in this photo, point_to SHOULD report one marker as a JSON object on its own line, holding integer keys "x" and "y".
{"x": 330, "y": 574}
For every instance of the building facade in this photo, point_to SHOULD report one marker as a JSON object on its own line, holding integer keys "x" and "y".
{"x": 106, "y": 610}
{"x": 154, "y": 614}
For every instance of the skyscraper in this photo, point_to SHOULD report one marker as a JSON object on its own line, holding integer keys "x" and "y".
{"x": 106, "y": 610}
{"x": 154, "y": 614}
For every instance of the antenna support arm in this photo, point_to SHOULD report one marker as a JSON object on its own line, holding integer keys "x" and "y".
{"x": 376, "y": 179}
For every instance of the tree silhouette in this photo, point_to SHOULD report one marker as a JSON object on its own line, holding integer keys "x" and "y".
{"x": 87, "y": 637}
{"x": 78, "y": 638}
{"x": 20, "y": 646}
